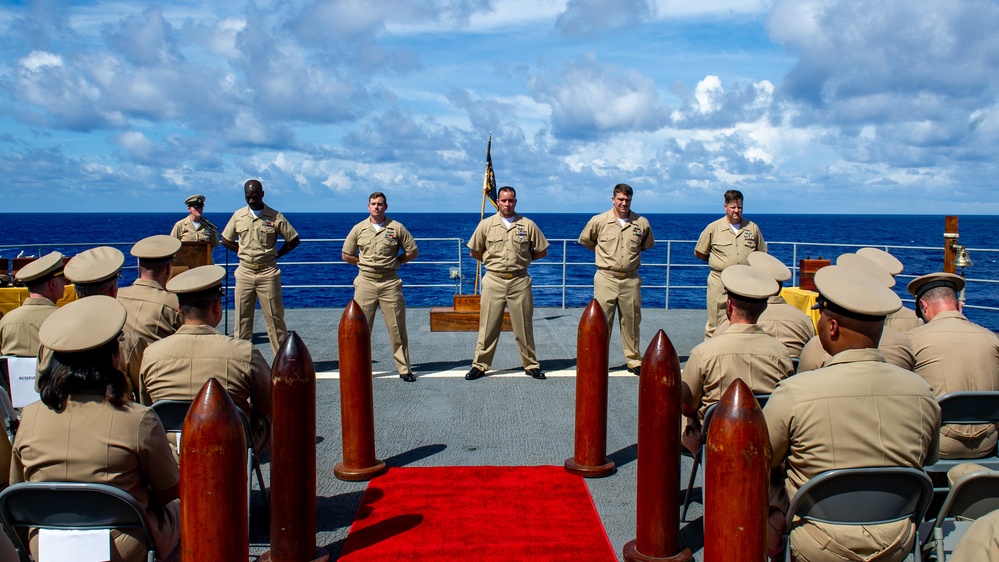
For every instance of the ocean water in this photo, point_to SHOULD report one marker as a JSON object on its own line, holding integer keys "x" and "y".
{"x": 316, "y": 263}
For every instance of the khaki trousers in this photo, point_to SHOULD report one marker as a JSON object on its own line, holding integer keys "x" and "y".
{"x": 386, "y": 294}
{"x": 977, "y": 448}
{"x": 517, "y": 295}
{"x": 625, "y": 296}
{"x": 264, "y": 284}
{"x": 717, "y": 301}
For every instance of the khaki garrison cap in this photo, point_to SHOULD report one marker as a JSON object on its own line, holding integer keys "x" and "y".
{"x": 196, "y": 280}
{"x": 195, "y": 200}
{"x": 48, "y": 265}
{"x": 844, "y": 292}
{"x": 749, "y": 282}
{"x": 95, "y": 265}
{"x": 887, "y": 261}
{"x": 868, "y": 267}
{"x": 771, "y": 265}
{"x": 918, "y": 286}
{"x": 83, "y": 324}
{"x": 159, "y": 247}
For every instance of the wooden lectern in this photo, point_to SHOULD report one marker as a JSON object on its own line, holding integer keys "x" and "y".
{"x": 191, "y": 255}
{"x": 462, "y": 317}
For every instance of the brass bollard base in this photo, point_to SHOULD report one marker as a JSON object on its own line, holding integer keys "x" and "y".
{"x": 320, "y": 556}
{"x": 598, "y": 471}
{"x": 631, "y": 554}
{"x": 358, "y": 474}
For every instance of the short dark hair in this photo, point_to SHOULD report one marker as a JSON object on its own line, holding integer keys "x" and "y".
{"x": 195, "y": 305}
{"x": 93, "y": 371}
{"x": 105, "y": 287}
{"x": 752, "y": 308}
{"x": 253, "y": 184}
{"x": 376, "y": 195}
{"x": 156, "y": 267}
{"x": 507, "y": 188}
{"x": 732, "y": 196}
{"x": 624, "y": 188}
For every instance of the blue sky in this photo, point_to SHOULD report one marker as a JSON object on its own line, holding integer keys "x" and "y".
{"x": 804, "y": 105}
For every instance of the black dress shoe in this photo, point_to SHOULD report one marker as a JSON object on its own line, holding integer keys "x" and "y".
{"x": 535, "y": 374}
{"x": 408, "y": 377}
{"x": 637, "y": 371}
{"x": 474, "y": 373}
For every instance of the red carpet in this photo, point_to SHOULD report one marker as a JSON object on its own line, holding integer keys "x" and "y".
{"x": 477, "y": 513}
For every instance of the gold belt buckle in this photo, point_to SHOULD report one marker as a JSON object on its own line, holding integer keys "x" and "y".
{"x": 253, "y": 266}
{"x": 377, "y": 275}
{"x": 620, "y": 274}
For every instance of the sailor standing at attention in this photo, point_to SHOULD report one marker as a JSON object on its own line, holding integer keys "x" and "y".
{"x": 195, "y": 227}
{"x": 378, "y": 245}
{"x": 46, "y": 285}
{"x": 506, "y": 243}
{"x": 252, "y": 233}
{"x": 618, "y": 238}
{"x": 153, "y": 312}
{"x": 727, "y": 241}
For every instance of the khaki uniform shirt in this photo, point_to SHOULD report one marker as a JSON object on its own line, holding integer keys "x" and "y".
{"x": 903, "y": 320}
{"x": 857, "y": 411}
{"x": 618, "y": 248}
{"x": 744, "y": 352}
{"x": 724, "y": 247}
{"x": 92, "y": 441}
{"x": 378, "y": 251}
{"x": 894, "y": 347}
{"x": 176, "y": 367}
{"x": 19, "y": 328}
{"x": 980, "y": 542}
{"x": 257, "y": 235}
{"x": 185, "y": 231}
{"x": 152, "y": 313}
{"x": 785, "y": 323}
{"x": 955, "y": 354}
{"x": 507, "y": 250}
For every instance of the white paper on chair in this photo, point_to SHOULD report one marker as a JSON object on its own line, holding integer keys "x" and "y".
{"x": 22, "y": 380}
{"x": 58, "y": 545}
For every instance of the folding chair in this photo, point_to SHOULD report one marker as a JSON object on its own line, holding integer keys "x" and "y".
{"x": 172, "y": 414}
{"x": 699, "y": 455}
{"x": 71, "y": 506}
{"x": 972, "y": 496}
{"x": 861, "y": 496}
{"x": 968, "y": 407}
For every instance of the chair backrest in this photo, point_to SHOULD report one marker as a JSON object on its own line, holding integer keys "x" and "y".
{"x": 972, "y": 496}
{"x": 70, "y": 505}
{"x": 171, "y": 413}
{"x": 969, "y": 407}
{"x": 863, "y": 496}
{"x": 710, "y": 412}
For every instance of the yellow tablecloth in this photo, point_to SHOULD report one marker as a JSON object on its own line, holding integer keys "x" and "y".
{"x": 803, "y": 300}
{"x": 12, "y": 297}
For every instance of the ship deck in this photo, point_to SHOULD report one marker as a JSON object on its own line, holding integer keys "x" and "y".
{"x": 505, "y": 419}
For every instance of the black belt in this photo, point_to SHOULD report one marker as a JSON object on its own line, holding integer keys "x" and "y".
{"x": 373, "y": 275}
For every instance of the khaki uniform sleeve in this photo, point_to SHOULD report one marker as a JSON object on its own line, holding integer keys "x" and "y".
{"x": 156, "y": 460}
{"x": 703, "y": 245}
{"x": 588, "y": 237}
{"x": 178, "y": 230}
{"x": 285, "y": 229}
{"x": 406, "y": 240}
{"x": 761, "y": 244}
{"x": 649, "y": 239}
{"x": 777, "y": 414}
{"x": 478, "y": 240}
{"x": 693, "y": 377}
{"x": 350, "y": 243}
{"x": 538, "y": 240}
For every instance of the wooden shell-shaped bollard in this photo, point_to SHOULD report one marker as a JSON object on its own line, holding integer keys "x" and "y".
{"x": 357, "y": 408}
{"x": 658, "y": 512}
{"x": 736, "y": 479}
{"x": 213, "y": 502}
{"x": 589, "y": 459}
{"x": 293, "y": 455}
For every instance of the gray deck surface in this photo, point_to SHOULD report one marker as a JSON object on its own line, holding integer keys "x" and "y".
{"x": 505, "y": 419}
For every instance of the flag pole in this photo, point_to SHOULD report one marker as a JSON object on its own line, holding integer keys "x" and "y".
{"x": 482, "y": 212}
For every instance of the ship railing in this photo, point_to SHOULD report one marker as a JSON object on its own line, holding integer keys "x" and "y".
{"x": 671, "y": 274}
